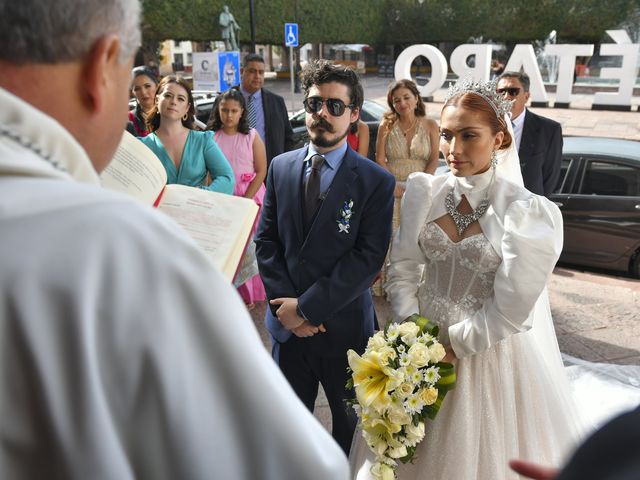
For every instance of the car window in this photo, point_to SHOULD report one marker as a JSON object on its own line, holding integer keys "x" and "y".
{"x": 602, "y": 177}
{"x": 298, "y": 119}
{"x": 564, "y": 184}
{"x": 372, "y": 112}
{"x": 203, "y": 111}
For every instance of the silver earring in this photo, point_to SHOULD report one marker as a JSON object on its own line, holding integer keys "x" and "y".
{"x": 494, "y": 159}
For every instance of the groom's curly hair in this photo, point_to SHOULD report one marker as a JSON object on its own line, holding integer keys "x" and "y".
{"x": 319, "y": 72}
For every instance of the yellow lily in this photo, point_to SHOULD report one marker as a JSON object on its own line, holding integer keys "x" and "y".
{"x": 373, "y": 379}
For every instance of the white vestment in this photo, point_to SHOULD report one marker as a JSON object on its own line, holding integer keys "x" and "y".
{"x": 123, "y": 353}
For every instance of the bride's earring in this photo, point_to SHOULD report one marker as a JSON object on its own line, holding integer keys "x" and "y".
{"x": 494, "y": 159}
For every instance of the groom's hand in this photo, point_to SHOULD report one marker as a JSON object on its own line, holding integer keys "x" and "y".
{"x": 287, "y": 313}
{"x": 307, "y": 329}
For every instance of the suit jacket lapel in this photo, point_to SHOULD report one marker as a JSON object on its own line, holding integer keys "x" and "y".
{"x": 337, "y": 193}
{"x": 294, "y": 184}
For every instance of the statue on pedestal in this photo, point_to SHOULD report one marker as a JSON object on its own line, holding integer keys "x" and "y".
{"x": 229, "y": 28}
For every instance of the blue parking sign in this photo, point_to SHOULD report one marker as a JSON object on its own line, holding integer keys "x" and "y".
{"x": 229, "y": 69}
{"x": 291, "y": 34}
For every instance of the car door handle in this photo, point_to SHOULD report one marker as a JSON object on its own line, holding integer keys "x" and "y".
{"x": 560, "y": 204}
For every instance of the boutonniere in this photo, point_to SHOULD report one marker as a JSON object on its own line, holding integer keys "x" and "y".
{"x": 344, "y": 222}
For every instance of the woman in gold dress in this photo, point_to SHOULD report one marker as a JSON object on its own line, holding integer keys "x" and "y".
{"x": 407, "y": 142}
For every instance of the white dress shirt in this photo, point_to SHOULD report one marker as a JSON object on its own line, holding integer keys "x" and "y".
{"x": 518, "y": 125}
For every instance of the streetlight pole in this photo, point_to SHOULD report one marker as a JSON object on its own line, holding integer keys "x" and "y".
{"x": 252, "y": 19}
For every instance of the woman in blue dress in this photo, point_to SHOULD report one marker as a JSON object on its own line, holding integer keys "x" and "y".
{"x": 190, "y": 157}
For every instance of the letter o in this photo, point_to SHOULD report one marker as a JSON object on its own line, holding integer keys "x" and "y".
{"x": 438, "y": 67}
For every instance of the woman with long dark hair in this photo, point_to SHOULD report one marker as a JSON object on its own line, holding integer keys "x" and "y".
{"x": 143, "y": 88}
{"x": 190, "y": 157}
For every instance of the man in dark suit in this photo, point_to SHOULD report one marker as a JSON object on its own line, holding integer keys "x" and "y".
{"x": 266, "y": 110}
{"x": 322, "y": 237}
{"x": 538, "y": 139}
{"x": 611, "y": 453}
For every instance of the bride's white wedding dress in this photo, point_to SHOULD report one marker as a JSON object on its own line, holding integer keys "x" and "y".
{"x": 487, "y": 293}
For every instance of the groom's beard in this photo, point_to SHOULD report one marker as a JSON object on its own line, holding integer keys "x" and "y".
{"x": 319, "y": 139}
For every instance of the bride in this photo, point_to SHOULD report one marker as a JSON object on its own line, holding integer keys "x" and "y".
{"x": 473, "y": 253}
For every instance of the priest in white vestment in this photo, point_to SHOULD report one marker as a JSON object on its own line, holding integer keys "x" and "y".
{"x": 123, "y": 353}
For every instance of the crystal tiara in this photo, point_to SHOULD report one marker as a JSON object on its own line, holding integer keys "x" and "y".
{"x": 486, "y": 90}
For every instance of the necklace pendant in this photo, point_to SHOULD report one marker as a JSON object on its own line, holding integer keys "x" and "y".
{"x": 460, "y": 220}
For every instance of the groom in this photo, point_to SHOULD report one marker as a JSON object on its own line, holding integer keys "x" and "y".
{"x": 322, "y": 237}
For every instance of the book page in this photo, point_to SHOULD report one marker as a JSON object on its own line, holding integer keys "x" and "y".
{"x": 220, "y": 224}
{"x": 135, "y": 170}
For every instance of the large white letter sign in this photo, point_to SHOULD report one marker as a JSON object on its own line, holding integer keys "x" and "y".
{"x": 524, "y": 57}
{"x": 567, "y": 54}
{"x": 438, "y": 67}
{"x": 480, "y": 71}
{"x": 626, "y": 73}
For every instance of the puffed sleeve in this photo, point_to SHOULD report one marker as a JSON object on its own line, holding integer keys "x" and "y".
{"x": 531, "y": 245}
{"x": 222, "y": 177}
{"x": 406, "y": 259}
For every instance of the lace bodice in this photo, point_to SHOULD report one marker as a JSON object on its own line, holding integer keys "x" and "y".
{"x": 396, "y": 146}
{"x": 457, "y": 278}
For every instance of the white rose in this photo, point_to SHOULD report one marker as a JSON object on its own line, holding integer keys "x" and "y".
{"x": 404, "y": 390}
{"x": 436, "y": 352}
{"x": 408, "y": 332}
{"x": 419, "y": 354}
{"x": 386, "y": 353}
{"x": 398, "y": 416}
{"x": 377, "y": 341}
{"x": 398, "y": 452}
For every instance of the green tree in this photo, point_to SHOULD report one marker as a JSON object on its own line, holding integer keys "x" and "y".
{"x": 389, "y": 21}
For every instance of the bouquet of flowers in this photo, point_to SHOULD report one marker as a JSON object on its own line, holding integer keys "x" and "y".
{"x": 399, "y": 382}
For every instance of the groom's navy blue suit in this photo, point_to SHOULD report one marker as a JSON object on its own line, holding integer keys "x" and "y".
{"x": 329, "y": 271}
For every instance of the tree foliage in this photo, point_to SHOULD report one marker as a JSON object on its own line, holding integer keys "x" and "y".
{"x": 389, "y": 21}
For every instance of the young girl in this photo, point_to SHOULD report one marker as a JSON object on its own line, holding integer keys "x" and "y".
{"x": 247, "y": 155}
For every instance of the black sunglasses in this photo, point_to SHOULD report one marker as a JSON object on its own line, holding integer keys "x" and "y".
{"x": 335, "y": 106}
{"x": 513, "y": 92}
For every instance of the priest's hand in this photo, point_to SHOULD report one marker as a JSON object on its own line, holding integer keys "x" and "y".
{"x": 287, "y": 312}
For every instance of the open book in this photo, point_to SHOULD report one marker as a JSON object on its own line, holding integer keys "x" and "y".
{"x": 220, "y": 224}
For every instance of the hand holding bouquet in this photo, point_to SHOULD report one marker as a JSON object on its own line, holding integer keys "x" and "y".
{"x": 400, "y": 381}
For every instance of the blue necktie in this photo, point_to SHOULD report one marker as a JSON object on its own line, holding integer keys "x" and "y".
{"x": 251, "y": 112}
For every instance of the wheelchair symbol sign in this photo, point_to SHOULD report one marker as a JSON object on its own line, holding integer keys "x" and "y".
{"x": 291, "y": 34}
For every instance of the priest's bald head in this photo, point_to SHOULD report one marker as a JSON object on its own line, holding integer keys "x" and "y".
{"x": 72, "y": 60}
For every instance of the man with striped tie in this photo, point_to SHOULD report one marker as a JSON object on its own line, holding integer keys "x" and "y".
{"x": 266, "y": 110}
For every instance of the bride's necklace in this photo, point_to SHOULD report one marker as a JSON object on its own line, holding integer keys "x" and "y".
{"x": 462, "y": 221}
